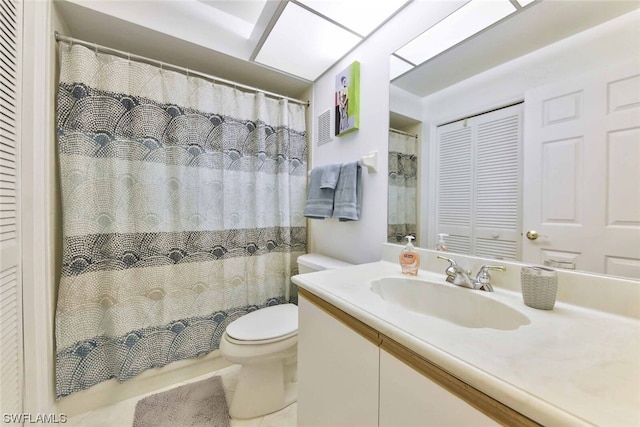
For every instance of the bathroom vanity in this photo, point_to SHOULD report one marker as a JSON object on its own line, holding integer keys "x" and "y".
{"x": 370, "y": 355}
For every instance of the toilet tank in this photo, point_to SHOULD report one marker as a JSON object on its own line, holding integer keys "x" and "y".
{"x": 309, "y": 263}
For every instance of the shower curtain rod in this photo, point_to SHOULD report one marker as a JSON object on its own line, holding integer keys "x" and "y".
{"x": 403, "y": 133}
{"x": 62, "y": 38}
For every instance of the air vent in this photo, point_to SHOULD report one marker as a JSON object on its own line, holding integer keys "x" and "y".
{"x": 324, "y": 127}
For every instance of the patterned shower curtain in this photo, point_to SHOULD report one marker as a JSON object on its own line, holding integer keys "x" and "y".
{"x": 403, "y": 169}
{"x": 182, "y": 210}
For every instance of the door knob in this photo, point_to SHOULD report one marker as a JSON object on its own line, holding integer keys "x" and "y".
{"x": 532, "y": 235}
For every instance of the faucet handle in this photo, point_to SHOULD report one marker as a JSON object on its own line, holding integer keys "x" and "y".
{"x": 453, "y": 266}
{"x": 452, "y": 270}
{"x": 447, "y": 259}
{"x": 486, "y": 268}
{"x": 484, "y": 278}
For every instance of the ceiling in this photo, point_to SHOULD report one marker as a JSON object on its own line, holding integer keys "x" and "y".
{"x": 538, "y": 25}
{"x": 243, "y": 41}
{"x": 248, "y": 11}
{"x": 279, "y": 46}
{"x": 128, "y": 26}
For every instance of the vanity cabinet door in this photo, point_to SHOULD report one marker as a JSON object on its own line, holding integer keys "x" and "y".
{"x": 337, "y": 372}
{"x": 409, "y": 399}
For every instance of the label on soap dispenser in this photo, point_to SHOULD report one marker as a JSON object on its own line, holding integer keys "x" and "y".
{"x": 409, "y": 262}
{"x": 408, "y": 258}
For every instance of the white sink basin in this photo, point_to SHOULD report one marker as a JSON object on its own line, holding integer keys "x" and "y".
{"x": 462, "y": 306}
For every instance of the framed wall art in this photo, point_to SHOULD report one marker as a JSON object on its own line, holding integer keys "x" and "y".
{"x": 347, "y": 100}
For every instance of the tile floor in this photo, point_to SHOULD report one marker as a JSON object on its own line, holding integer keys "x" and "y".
{"x": 121, "y": 414}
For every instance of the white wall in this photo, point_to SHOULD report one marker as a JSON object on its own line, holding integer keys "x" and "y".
{"x": 615, "y": 41}
{"x": 405, "y": 103}
{"x": 40, "y": 218}
{"x": 360, "y": 241}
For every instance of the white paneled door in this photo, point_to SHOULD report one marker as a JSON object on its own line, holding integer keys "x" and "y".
{"x": 11, "y": 375}
{"x": 582, "y": 172}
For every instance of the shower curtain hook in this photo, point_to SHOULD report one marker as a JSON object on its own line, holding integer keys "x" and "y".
{"x": 95, "y": 48}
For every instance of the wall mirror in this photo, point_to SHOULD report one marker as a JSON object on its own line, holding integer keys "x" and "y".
{"x": 526, "y": 139}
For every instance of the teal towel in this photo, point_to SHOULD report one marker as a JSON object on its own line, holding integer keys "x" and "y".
{"x": 322, "y": 184}
{"x": 348, "y": 193}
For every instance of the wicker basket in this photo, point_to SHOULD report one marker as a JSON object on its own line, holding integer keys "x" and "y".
{"x": 539, "y": 287}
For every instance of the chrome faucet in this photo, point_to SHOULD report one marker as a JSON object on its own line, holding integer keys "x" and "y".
{"x": 460, "y": 277}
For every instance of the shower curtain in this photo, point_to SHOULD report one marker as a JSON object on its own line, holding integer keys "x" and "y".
{"x": 182, "y": 209}
{"x": 403, "y": 168}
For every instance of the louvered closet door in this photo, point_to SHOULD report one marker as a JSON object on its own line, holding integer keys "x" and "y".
{"x": 479, "y": 184}
{"x": 498, "y": 137}
{"x": 455, "y": 187}
{"x": 10, "y": 277}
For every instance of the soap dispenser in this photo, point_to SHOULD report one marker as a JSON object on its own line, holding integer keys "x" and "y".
{"x": 409, "y": 258}
{"x": 440, "y": 245}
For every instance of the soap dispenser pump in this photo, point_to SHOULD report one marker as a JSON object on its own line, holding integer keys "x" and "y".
{"x": 441, "y": 245}
{"x": 409, "y": 258}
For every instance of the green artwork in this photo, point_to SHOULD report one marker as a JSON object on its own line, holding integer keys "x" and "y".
{"x": 347, "y": 100}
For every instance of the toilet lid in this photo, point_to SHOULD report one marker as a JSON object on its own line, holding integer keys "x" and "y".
{"x": 265, "y": 324}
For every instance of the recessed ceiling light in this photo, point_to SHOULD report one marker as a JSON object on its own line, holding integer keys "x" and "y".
{"x": 361, "y": 16}
{"x": 304, "y": 44}
{"x": 470, "y": 19}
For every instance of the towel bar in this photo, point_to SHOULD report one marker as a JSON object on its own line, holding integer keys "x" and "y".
{"x": 370, "y": 161}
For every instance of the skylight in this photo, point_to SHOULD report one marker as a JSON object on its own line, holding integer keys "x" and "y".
{"x": 361, "y": 16}
{"x": 470, "y": 19}
{"x": 304, "y": 44}
{"x": 312, "y": 35}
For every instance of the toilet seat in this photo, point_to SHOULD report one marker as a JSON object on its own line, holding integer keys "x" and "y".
{"x": 267, "y": 325}
{"x": 250, "y": 352}
{"x": 256, "y": 342}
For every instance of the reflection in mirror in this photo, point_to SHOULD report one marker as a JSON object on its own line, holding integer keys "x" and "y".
{"x": 566, "y": 194}
{"x": 478, "y": 183}
{"x": 402, "y": 192}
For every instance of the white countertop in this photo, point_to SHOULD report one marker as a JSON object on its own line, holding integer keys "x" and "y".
{"x": 569, "y": 366}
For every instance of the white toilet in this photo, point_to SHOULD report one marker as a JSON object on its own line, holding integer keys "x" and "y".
{"x": 264, "y": 342}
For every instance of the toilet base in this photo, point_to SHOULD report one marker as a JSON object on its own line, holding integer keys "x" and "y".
{"x": 263, "y": 388}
